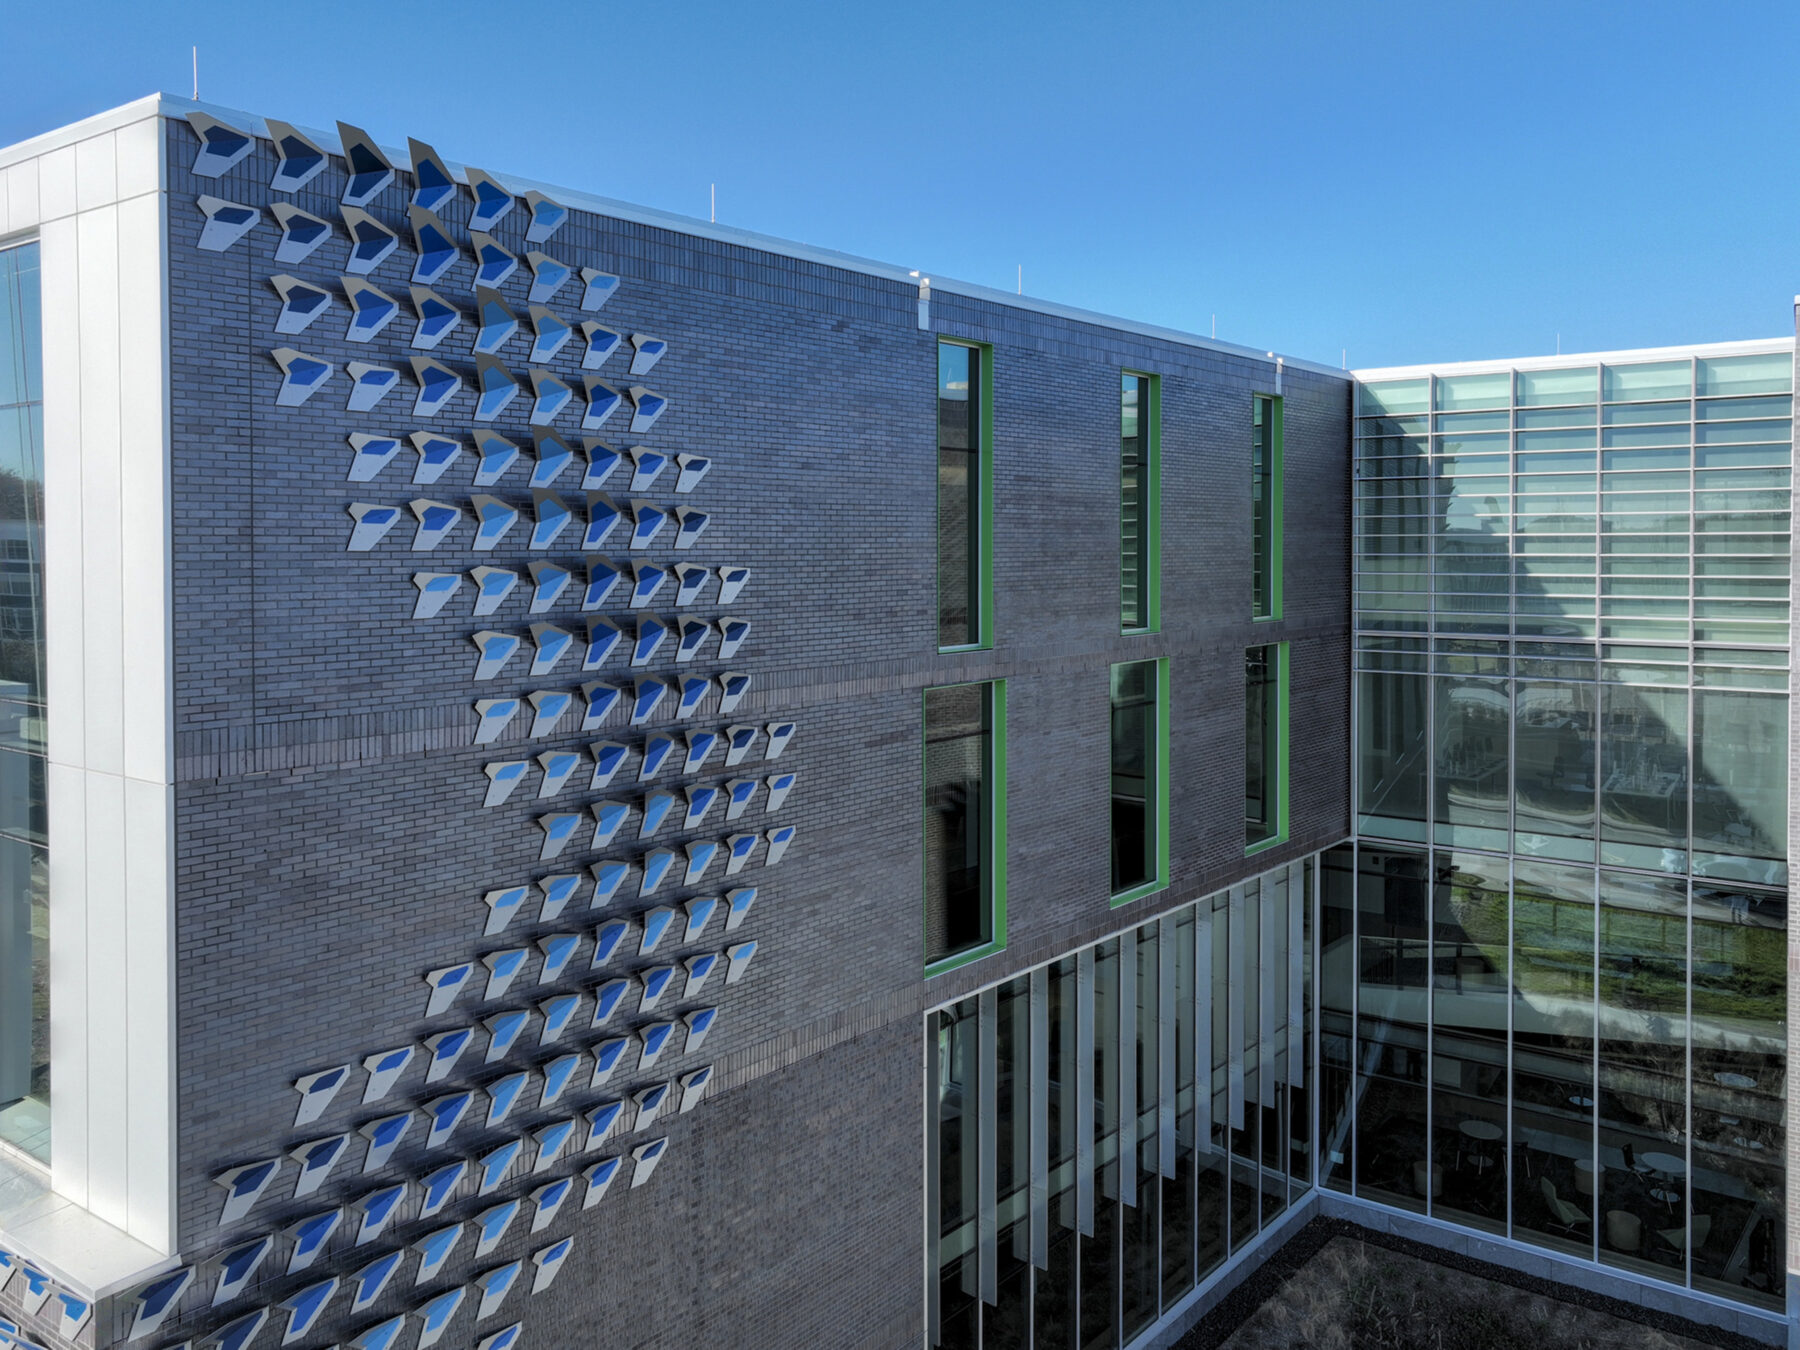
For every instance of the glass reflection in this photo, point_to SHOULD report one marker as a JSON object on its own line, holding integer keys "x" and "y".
{"x": 1469, "y": 969}
{"x": 24, "y": 862}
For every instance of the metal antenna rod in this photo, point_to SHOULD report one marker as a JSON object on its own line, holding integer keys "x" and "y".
{"x": 1021, "y": 278}
{"x": 196, "y": 73}
{"x": 715, "y": 203}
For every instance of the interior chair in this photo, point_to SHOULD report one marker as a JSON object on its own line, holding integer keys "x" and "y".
{"x": 1678, "y": 1237}
{"x": 1563, "y": 1215}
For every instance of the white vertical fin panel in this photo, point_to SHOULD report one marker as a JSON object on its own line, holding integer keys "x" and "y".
{"x": 99, "y": 212}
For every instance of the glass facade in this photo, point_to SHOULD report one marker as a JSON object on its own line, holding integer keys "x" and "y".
{"x": 1137, "y": 489}
{"x": 960, "y": 820}
{"x": 1554, "y": 995}
{"x": 960, "y": 508}
{"x": 24, "y": 870}
{"x": 1108, "y": 1132}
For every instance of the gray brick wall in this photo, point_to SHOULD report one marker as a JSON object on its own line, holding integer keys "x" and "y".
{"x": 332, "y": 845}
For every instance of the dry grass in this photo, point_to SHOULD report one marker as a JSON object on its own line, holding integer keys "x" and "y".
{"x": 1353, "y": 1296}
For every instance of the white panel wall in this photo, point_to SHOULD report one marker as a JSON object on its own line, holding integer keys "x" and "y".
{"x": 92, "y": 195}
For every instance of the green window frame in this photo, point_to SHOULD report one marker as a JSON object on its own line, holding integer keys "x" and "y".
{"x": 947, "y": 815}
{"x": 1146, "y": 750}
{"x": 1265, "y": 506}
{"x": 1140, "y": 502}
{"x": 965, "y": 497}
{"x": 1265, "y": 746}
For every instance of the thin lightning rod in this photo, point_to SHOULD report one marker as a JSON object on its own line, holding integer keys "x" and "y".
{"x": 715, "y": 203}
{"x": 196, "y": 73}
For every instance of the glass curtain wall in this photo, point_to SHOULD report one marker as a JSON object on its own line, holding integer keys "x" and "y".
{"x": 24, "y": 860}
{"x": 1597, "y": 1066}
{"x": 1104, "y": 1130}
{"x": 1571, "y": 759}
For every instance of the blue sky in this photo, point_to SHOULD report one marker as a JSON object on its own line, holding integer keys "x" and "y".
{"x": 1403, "y": 181}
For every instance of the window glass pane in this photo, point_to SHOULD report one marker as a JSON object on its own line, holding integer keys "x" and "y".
{"x": 1739, "y": 1090}
{"x": 1468, "y": 1077}
{"x": 24, "y": 864}
{"x": 1178, "y": 1190}
{"x": 1768, "y": 373}
{"x": 1054, "y": 1313}
{"x": 1538, "y": 388}
{"x": 1135, "y": 775}
{"x": 1006, "y": 1324}
{"x": 1471, "y": 723}
{"x": 958, "y": 819}
{"x": 1265, "y": 507}
{"x": 1390, "y": 741}
{"x": 1393, "y": 967}
{"x": 1651, "y": 380}
{"x": 1554, "y": 764}
{"x": 1100, "y": 1253}
{"x": 959, "y": 489}
{"x": 1553, "y": 1045}
{"x": 1142, "y": 1269}
{"x": 1644, "y": 776}
{"x": 1474, "y": 391}
{"x": 1643, "y": 1070}
{"x": 959, "y": 1184}
{"x": 1740, "y": 785}
{"x": 1135, "y": 491}
{"x": 1394, "y": 396}
{"x": 1262, "y": 733}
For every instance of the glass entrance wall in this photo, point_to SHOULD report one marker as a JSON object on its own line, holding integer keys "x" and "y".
{"x": 1108, "y": 1132}
{"x": 1553, "y": 982}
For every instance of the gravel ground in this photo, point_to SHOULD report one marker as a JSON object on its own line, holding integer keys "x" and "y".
{"x": 1334, "y": 1286}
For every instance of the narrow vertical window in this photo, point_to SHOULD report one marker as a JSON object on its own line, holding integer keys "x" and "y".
{"x": 961, "y": 508}
{"x": 1137, "y": 504}
{"x": 1265, "y": 744}
{"x": 1139, "y": 779}
{"x": 24, "y": 859}
{"x": 964, "y": 820}
{"x": 1265, "y": 508}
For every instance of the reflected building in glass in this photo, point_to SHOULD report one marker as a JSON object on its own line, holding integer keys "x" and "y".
{"x": 1554, "y": 990}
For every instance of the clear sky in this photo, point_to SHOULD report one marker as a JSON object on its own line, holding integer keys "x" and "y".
{"x": 1404, "y": 181}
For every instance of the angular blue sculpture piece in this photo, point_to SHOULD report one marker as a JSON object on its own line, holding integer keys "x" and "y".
{"x": 299, "y": 158}
{"x": 369, "y": 384}
{"x": 433, "y": 185}
{"x": 438, "y": 384}
{"x": 301, "y": 303}
{"x": 495, "y": 323}
{"x": 494, "y": 263}
{"x": 371, "y": 242}
{"x": 226, "y": 222}
{"x": 302, "y": 376}
{"x": 437, "y": 454}
{"x": 492, "y": 200}
{"x": 301, "y": 232}
{"x": 548, "y": 276}
{"x": 437, "y": 249}
{"x": 369, "y": 169}
{"x": 384, "y": 1137}
{"x": 438, "y": 318}
{"x": 547, "y": 217}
